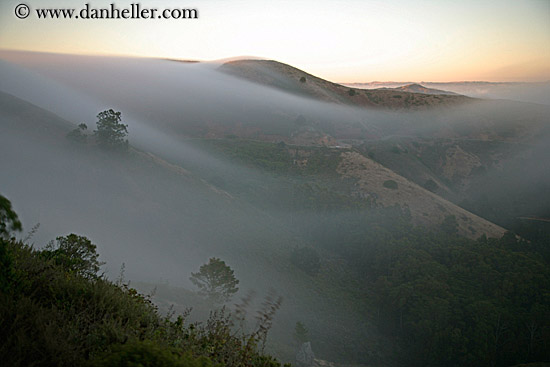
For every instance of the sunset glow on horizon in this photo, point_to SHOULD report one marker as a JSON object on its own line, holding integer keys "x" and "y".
{"x": 343, "y": 41}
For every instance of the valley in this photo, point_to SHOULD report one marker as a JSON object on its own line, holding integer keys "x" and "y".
{"x": 381, "y": 217}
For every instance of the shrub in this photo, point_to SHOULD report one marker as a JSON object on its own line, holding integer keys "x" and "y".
{"x": 6, "y": 272}
{"x": 56, "y": 311}
{"x": 75, "y": 253}
{"x": 51, "y": 316}
{"x": 77, "y": 135}
{"x": 9, "y": 222}
{"x": 147, "y": 354}
{"x": 390, "y": 184}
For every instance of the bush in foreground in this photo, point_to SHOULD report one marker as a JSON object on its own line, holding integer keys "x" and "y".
{"x": 55, "y": 310}
{"x": 54, "y": 313}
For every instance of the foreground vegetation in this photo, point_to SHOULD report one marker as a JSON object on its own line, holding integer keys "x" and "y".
{"x": 55, "y": 310}
{"x": 431, "y": 297}
{"x": 436, "y": 298}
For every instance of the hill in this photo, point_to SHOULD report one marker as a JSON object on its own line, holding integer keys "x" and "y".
{"x": 350, "y": 214}
{"x": 388, "y": 188}
{"x": 417, "y": 88}
{"x": 293, "y": 80}
{"x": 79, "y": 318}
{"x": 162, "y": 220}
{"x": 534, "y": 92}
{"x": 355, "y": 176}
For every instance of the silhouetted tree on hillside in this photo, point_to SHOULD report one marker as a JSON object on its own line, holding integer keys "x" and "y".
{"x": 216, "y": 280}
{"x": 111, "y": 133}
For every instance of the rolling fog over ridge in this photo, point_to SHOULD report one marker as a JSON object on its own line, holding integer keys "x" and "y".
{"x": 534, "y": 92}
{"x": 204, "y": 199}
{"x": 166, "y": 102}
{"x": 166, "y": 95}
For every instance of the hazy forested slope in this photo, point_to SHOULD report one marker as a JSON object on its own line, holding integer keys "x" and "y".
{"x": 383, "y": 231}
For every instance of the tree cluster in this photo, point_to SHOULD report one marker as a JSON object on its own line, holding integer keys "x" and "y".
{"x": 56, "y": 310}
{"x": 111, "y": 133}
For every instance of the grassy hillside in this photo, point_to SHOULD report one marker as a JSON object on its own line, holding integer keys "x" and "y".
{"x": 347, "y": 175}
{"x": 417, "y": 88}
{"x": 163, "y": 220}
{"x": 56, "y": 313}
{"x": 342, "y": 211}
{"x": 53, "y": 302}
{"x": 290, "y": 79}
{"x": 387, "y": 188}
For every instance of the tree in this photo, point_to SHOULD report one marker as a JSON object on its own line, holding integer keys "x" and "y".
{"x": 77, "y": 135}
{"x": 76, "y": 253}
{"x": 216, "y": 280}
{"x": 111, "y": 133}
{"x": 9, "y": 222}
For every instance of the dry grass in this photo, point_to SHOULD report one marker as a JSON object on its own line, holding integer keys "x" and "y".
{"x": 426, "y": 208}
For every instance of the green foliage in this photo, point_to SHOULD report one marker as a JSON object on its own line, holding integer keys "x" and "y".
{"x": 267, "y": 156}
{"x": 316, "y": 198}
{"x": 390, "y": 184}
{"x": 450, "y": 301}
{"x": 111, "y": 133}
{"x": 6, "y": 270}
{"x": 280, "y": 159}
{"x": 223, "y": 339}
{"x": 303, "y": 79}
{"x": 9, "y": 222}
{"x": 216, "y": 280}
{"x": 77, "y": 135}
{"x": 306, "y": 259}
{"x": 439, "y": 299}
{"x": 147, "y": 354}
{"x": 75, "y": 253}
{"x": 52, "y": 316}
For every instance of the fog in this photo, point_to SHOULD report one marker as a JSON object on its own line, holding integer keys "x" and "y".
{"x": 164, "y": 223}
{"x": 533, "y": 92}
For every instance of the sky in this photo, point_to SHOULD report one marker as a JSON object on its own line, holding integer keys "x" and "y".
{"x": 343, "y": 41}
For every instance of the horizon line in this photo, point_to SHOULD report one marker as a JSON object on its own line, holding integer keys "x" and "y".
{"x": 249, "y": 57}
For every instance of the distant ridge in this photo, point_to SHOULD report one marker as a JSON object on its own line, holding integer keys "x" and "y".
{"x": 417, "y": 88}
{"x": 533, "y": 92}
{"x": 292, "y": 80}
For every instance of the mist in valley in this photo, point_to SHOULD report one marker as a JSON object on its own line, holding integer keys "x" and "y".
{"x": 176, "y": 199}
